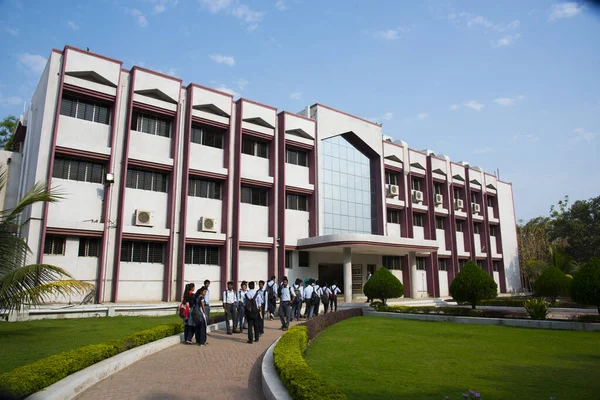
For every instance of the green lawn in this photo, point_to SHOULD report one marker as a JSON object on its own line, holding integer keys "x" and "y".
{"x": 22, "y": 343}
{"x": 386, "y": 358}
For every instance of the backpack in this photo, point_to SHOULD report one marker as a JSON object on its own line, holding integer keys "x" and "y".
{"x": 298, "y": 292}
{"x": 314, "y": 298}
{"x": 197, "y": 315}
{"x": 324, "y": 298}
{"x": 271, "y": 293}
{"x": 332, "y": 293}
{"x": 251, "y": 307}
{"x": 184, "y": 310}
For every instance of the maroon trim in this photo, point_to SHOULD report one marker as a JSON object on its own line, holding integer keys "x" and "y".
{"x": 149, "y": 165}
{"x": 405, "y": 262}
{"x": 486, "y": 239}
{"x": 72, "y": 232}
{"x": 379, "y": 228}
{"x": 89, "y": 93}
{"x": 291, "y": 247}
{"x": 196, "y": 173}
{"x": 431, "y": 270}
{"x": 361, "y": 243}
{"x": 468, "y": 233}
{"x": 344, "y": 113}
{"x": 433, "y": 284}
{"x": 156, "y": 110}
{"x": 192, "y": 85}
{"x": 258, "y": 104}
{"x": 61, "y": 82}
{"x": 394, "y": 206}
{"x": 421, "y": 211}
{"x": 237, "y": 182}
{"x": 144, "y": 237}
{"x": 297, "y": 145}
{"x": 281, "y": 194}
{"x": 209, "y": 122}
{"x": 438, "y": 180}
{"x": 295, "y": 189}
{"x": 410, "y": 232}
{"x": 273, "y": 194}
{"x": 254, "y": 182}
{"x": 259, "y": 135}
{"x": 225, "y": 263}
{"x": 208, "y": 242}
{"x": 313, "y": 204}
{"x": 417, "y": 173}
{"x": 256, "y": 245}
{"x": 158, "y": 74}
{"x": 451, "y": 233}
{"x": 89, "y": 53}
{"x": 81, "y": 154}
{"x": 57, "y": 51}
{"x": 392, "y": 168}
{"x": 502, "y": 277}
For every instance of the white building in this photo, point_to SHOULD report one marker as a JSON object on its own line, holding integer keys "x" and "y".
{"x": 167, "y": 184}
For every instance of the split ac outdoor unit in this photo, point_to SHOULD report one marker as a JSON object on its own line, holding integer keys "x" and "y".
{"x": 417, "y": 196}
{"x": 439, "y": 199}
{"x": 458, "y": 204}
{"x": 393, "y": 190}
{"x": 143, "y": 218}
{"x": 208, "y": 224}
{"x": 476, "y": 208}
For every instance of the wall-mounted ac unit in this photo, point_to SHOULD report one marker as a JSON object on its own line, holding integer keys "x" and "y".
{"x": 208, "y": 224}
{"x": 458, "y": 204}
{"x": 144, "y": 218}
{"x": 439, "y": 199}
{"x": 476, "y": 208}
{"x": 393, "y": 190}
{"x": 417, "y": 196}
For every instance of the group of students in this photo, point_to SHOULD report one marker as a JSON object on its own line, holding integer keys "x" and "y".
{"x": 248, "y": 307}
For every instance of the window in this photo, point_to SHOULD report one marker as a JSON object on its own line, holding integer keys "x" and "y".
{"x": 255, "y": 147}
{"x": 54, "y": 245}
{"x": 142, "y": 252}
{"x": 151, "y": 124}
{"x": 393, "y": 216}
{"x": 147, "y": 180}
{"x": 476, "y": 228}
{"x": 421, "y": 263}
{"x": 303, "y": 258}
{"x": 496, "y": 266}
{"x": 203, "y": 255}
{"x": 204, "y": 188}
{"x": 391, "y": 262}
{"x": 75, "y": 170}
{"x": 457, "y": 193}
{"x": 493, "y": 230}
{"x": 296, "y": 202}
{"x": 439, "y": 222}
{"x": 418, "y": 219}
{"x": 85, "y": 109}
{"x": 442, "y": 264}
{"x": 391, "y": 178}
{"x": 89, "y": 247}
{"x": 459, "y": 225}
{"x": 437, "y": 188}
{"x": 208, "y": 136}
{"x": 416, "y": 184}
{"x": 473, "y": 197}
{"x": 461, "y": 263}
{"x": 288, "y": 259}
{"x": 255, "y": 195}
{"x": 490, "y": 201}
{"x": 296, "y": 157}
{"x": 480, "y": 263}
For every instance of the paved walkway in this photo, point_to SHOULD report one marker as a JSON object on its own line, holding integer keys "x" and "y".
{"x": 227, "y": 368}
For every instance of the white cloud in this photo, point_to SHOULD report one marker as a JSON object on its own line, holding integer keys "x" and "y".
{"x": 32, "y": 62}
{"x": 472, "y": 21}
{"x": 582, "y": 134}
{"x": 225, "y": 89}
{"x": 215, "y": 6}
{"x": 236, "y": 9}
{"x": 454, "y": 107}
{"x": 160, "y": 6}
{"x": 73, "y": 25}
{"x": 564, "y": 10}
{"x": 221, "y": 59}
{"x": 242, "y": 83}
{"x": 388, "y": 34}
{"x": 280, "y": 5}
{"x": 296, "y": 95}
{"x": 138, "y": 15}
{"x": 473, "y": 105}
{"x": 507, "y": 40}
{"x": 10, "y": 101}
{"x": 12, "y": 31}
{"x": 524, "y": 138}
{"x": 422, "y": 116}
{"x": 483, "y": 150}
{"x": 507, "y": 101}
{"x": 388, "y": 116}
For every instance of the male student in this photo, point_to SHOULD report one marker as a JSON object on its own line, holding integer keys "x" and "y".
{"x": 297, "y": 302}
{"x": 334, "y": 290}
{"x": 207, "y": 299}
{"x": 241, "y": 314}
{"x": 230, "y": 306}
{"x": 263, "y": 295}
{"x": 252, "y": 307}
{"x": 307, "y": 296}
{"x": 286, "y": 296}
{"x": 271, "y": 296}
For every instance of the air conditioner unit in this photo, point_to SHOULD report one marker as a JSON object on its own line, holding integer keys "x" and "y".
{"x": 458, "y": 204}
{"x": 439, "y": 199}
{"x": 393, "y": 190}
{"x": 417, "y": 196}
{"x": 143, "y": 218}
{"x": 208, "y": 224}
{"x": 476, "y": 208}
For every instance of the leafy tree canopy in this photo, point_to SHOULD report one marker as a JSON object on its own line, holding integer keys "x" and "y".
{"x": 7, "y": 133}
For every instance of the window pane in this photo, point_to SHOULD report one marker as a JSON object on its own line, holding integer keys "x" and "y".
{"x": 246, "y": 195}
{"x": 212, "y": 255}
{"x": 97, "y": 173}
{"x": 93, "y": 247}
{"x": 131, "y": 179}
{"x": 82, "y": 243}
{"x": 303, "y": 258}
{"x": 126, "y": 248}
{"x": 139, "y": 252}
{"x": 66, "y": 106}
{"x": 262, "y": 149}
{"x": 302, "y": 159}
{"x": 248, "y": 146}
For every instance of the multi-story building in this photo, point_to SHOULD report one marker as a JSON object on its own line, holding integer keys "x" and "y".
{"x": 166, "y": 184}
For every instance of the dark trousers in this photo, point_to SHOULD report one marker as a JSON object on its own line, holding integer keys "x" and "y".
{"x": 253, "y": 328}
{"x": 284, "y": 313}
{"x": 200, "y": 333}
{"x": 334, "y": 303}
{"x": 308, "y": 311}
{"x": 296, "y": 306}
{"x": 230, "y": 314}
{"x": 272, "y": 305}
{"x": 207, "y": 310}
{"x": 325, "y": 307}
{"x": 261, "y": 325}
{"x": 241, "y": 317}
{"x": 316, "y": 308}
{"x": 188, "y": 332}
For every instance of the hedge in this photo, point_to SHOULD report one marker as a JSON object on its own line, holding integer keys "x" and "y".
{"x": 301, "y": 381}
{"x": 455, "y": 311}
{"x": 28, "y": 379}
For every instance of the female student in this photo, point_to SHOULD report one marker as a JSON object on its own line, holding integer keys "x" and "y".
{"x": 200, "y": 328}
{"x": 188, "y": 324}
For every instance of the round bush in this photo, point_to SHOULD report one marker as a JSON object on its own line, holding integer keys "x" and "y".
{"x": 473, "y": 284}
{"x": 552, "y": 283}
{"x": 585, "y": 288}
{"x": 383, "y": 285}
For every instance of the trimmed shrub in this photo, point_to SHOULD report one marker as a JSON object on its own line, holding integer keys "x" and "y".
{"x": 536, "y": 308}
{"x": 473, "y": 284}
{"x": 585, "y": 288}
{"x": 454, "y": 311}
{"x": 552, "y": 283}
{"x": 502, "y": 302}
{"x": 383, "y": 285}
{"x": 324, "y": 321}
{"x": 28, "y": 379}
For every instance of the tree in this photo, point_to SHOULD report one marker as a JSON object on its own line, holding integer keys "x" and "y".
{"x": 8, "y": 126}
{"x": 533, "y": 244}
{"x": 561, "y": 260}
{"x": 530, "y": 271}
{"x": 585, "y": 288}
{"x": 473, "y": 284}
{"x": 552, "y": 283}
{"x": 34, "y": 284}
{"x": 383, "y": 285}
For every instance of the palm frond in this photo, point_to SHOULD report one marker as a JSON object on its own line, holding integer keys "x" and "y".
{"x": 13, "y": 250}
{"x": 38, "y": 193}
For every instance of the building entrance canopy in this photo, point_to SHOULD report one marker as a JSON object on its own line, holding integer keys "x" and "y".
{"x": 367, "y": 244}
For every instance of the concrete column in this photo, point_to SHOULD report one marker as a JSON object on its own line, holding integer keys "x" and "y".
{"x": 347, "y": 275}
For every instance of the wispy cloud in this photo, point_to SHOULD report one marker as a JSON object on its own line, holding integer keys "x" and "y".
{"x": 242, "y": 83}
{"x": 527, "y": 138}
{"x": 390, "y": 34}
{"x": 507, "y": 40}
{"x": 281, "y": 5}
{"x": 235, "y": 8}
{"x": 454, "y": 107}
{"x": 483, "y": 150}
{"x": 138, "y": 15}
{"x": 388, "y": 116}
{"x": 564, "y": 10}
{"x": 296, "y": 95}
{"x": 33, "y": 63}
{"x": 226, "y": 89}
{"x": 221, "y": 59}
{"x": 582, "y": 134}
{"x": 10, "y": 101}
{"x": 214, "y": 6}
{"x": 422, "y": 116}
{"x": 472, "y": 104}
{"x": 508, "y": 101}
{"x": 73, "y": 25}
{"x": 472, "y": 21}
{"x": 11, "y": 30}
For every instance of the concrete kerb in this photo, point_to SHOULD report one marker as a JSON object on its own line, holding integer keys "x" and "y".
{"x": 78, "y": 382}
{"x": 273, "y": 388}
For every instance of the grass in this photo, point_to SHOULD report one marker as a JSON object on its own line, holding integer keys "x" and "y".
{"x": 386, "y": 358}
{"x": 22, "y": 343}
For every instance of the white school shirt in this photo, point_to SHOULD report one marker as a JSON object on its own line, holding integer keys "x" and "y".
{"x": 207, "y": 297}
{"x": 229, "y": 297}
{"x": 335, "y": 290}
{"x": 286, "y": 294}
{"x": 251, "y": 296}
{"x": 263, "y": 295}
{"x": 241, "y": 294}
{"x": 271, "y": 283}
{"x": 325, "y": 291}
{"x": 308, "y": 291}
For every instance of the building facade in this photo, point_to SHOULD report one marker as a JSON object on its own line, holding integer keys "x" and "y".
{"x": 166, "y": 184}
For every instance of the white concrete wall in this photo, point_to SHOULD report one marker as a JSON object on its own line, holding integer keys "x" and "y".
{"x": 494, "y": 247}
{"x": 443, "y": 280}
{"x": 296, "y": 226}
{"x": 199, "y": 273}
{"x": 199, "y": 207}
{"x": 293, "y": 123}
{"x": 140, "y": 282}
{"x": 418, "y": 279}
{"x": 85, "y": 135}
{"x": 156, "y": 202}
{"x": 203, "y": 97}
{"x": 460, "y": 242}
{"x": 497, "y": 279}
{"x": 252, "y": 110}
{"x": 206, "y": 158}
{"x": 254, "y": 265}
{"x": 419, "y": 232}
{"x": 393, "y": 229}
{"x": 147, "y": 81}
{"x": 418, "y": 158}
{"x": 254, "y": 222}
{"x": 82, "y": 62}
{"x": 440, "y": 235}
{"x": 253, "y": 167}
{"x": 508, "y": 227}
{"x": 296, "y": 175}
{"x": 477, "y": 244}
{"x": 153, "y": 148}
{"x": 81, "y": 207}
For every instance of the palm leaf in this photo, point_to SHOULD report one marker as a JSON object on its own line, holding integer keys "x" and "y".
{"x": 38, "y": 193}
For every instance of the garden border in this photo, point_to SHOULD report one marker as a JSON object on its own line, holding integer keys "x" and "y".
{"x": 273, "y": 388}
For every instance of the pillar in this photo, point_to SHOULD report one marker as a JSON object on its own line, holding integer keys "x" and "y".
{"x": 347, "y": 275}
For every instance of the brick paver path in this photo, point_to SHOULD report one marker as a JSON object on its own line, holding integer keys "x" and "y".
{"x": 227, "y": 368}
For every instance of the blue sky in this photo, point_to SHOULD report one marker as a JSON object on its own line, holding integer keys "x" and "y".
{"x": 505, "y": 85}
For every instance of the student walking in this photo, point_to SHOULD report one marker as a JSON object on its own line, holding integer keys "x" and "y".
{"x": 252, "y": 308}
{"x": 199, "y": 317}
{"x": 272, "y": 296}
{"x": 297, "y": 302}
{"x": 188, "y": 323}
{"x": 334, "y": 290}
{"x": 263, "y": 296}
{"x": 241, "y": 314}
{"x": 307, "y": 296}
{"x": 286, "y": 296}
{"x": 230, "y": 306}
{"x": 316, "y": 299}
{"x": 324, "y": 297}
{"x": 207, "y": 298}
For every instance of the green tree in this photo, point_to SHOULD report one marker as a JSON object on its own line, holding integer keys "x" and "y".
{"x": 530, "y": 271}
{"x": 473, "y": 284}
{"x": 585, "y": 288}
{"x": 34, "y": 284}
{"x": 7, "y": 133}
{"x": 562, "y": 260}
{"x": 552, "y": 283}
{"x": 533, "y": 242}
{"x": 383, "y": 285}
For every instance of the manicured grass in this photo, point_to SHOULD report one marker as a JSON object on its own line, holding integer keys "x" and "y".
{"x": 22, "y": 343}
{"x": 386, "y": 358}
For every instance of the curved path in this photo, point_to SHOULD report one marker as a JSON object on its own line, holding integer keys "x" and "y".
{"x": 227, "y": 368}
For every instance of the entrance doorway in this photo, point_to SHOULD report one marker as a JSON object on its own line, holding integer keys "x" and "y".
{"x": 330, "y": 273}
